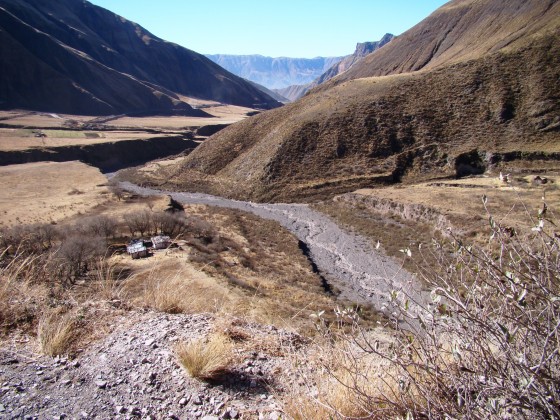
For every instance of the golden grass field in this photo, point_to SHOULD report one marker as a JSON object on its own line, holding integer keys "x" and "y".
{"x": 222, "y": 114}
{"x": 460, "y": 201}
{"x": 45, "y": 192}
{"x": 20, "y": 127}
{"x": 23, "y": 139}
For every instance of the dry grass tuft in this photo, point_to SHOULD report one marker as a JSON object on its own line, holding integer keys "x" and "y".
{"x": 21, "y": 295}
{"x": 342, "y": 382}
{"x": 172, "y": 289}
{"x": 56, "y": 332}
{"x": 206, "y": 359}
{"x": 109, "y": 283}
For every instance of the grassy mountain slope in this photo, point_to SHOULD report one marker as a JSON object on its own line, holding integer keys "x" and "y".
{"x": 409, "y": 126}
{"x": 110, "y": 64}
{"x": 461, "y": 30}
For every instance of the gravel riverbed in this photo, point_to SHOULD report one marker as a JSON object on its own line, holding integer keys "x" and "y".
{"x": 345, "y": 260}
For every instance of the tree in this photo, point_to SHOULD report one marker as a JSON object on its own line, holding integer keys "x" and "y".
{"x": 172, "y": 224}
{"x": 77, "y": 251}
{"x": 138, "y": 221}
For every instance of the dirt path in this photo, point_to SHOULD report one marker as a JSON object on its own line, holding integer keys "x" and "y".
{"x": 347, "y": 261}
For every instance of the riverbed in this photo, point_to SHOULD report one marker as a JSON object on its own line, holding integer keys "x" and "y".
{"x": 346, "y": 261}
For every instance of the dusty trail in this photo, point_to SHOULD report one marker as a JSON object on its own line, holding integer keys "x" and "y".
{"x": 346, "y": 260}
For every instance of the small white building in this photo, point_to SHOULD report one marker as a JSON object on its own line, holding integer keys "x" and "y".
{"x": 161, "y": 242}
{"x": 137, "y": 249}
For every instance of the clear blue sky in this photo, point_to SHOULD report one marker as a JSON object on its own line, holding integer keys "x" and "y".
{"x": 289, "y": 28}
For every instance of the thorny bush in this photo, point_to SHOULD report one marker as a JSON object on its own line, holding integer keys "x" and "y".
{"x": 485, "y": 343}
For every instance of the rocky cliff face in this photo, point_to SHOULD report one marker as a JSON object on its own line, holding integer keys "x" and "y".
{"x": 362, "y": 49}
{"x": 70, "y": 56}
{"x": 275, "y": 73}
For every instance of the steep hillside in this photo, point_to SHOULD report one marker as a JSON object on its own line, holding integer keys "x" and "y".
{"x": 459, "y": 31}
{"x": 275, "y": 73}
{"x": 362, "y": 49}
{"x": 274, "y": 95}
{"x": 71, "y": 56}
{"x": 503, "y": 105}
{"x": 295, "y": 92}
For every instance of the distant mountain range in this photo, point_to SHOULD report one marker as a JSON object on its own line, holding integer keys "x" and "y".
{"x": 275, "y": 73}
{"x": 472, "y": 86}
{"x": 70, "y": 56}
{"x": 296, "y": 91}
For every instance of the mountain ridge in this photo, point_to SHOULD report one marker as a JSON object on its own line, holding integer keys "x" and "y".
{"x": 362, "y": 132}
{"x": 274, "y": 72}
{"x": 101, "y": 63}
{"x": 362, "y": 49}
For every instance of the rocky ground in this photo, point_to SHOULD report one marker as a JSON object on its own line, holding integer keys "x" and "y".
{"x": 133, "y": 373}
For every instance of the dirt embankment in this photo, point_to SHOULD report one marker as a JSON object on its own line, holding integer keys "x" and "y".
{"x": 108, "y": 157}
{"x": 416, "y": 212}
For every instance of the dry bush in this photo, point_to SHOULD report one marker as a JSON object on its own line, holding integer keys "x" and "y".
{"x": 138, "y": 221}
{"x": 56, "y": 332}
{"x": 77, "y": 252}
{"x": 487, "y": 345}
{"x": 117, "y": 190}
{"x": 98, "y": 226}
{"x": 206, "y": 359}
{"x": 171, "y": 224}
{"x": 28, "y": 239}
{"x": 172, "y": 291}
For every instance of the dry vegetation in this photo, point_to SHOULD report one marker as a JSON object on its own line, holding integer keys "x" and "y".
{"x": 46, "y": 192}
{"x": 254, "y": 271}
{"x": 221, "y": 261}
{"x": 413, "y": 215}
{"x": 486, "y": 346}
{"x": 55, "y": 333}
{"x": 206, "y": 359}
{"x": 24, "y": 139}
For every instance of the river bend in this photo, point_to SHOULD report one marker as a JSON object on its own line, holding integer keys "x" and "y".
{"x": 346, "y": 260}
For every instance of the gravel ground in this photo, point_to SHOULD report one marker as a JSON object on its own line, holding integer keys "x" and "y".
{"x": 133, "y": 373}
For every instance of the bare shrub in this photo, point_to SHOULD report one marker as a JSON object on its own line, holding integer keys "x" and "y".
{"x": 98, "y": 226}
{"x": 29, "y": 239}
{"x": 138, "y": 221}
{"x": 56, "y": 332}
{"x": 117, "y": 190}
{"x": 206, "y": 359}
{"x": 200, "y": 228}
{"x": 486, "y": 346}
{"x": 171, "y": 224}
{"x": 78, "y": 252}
